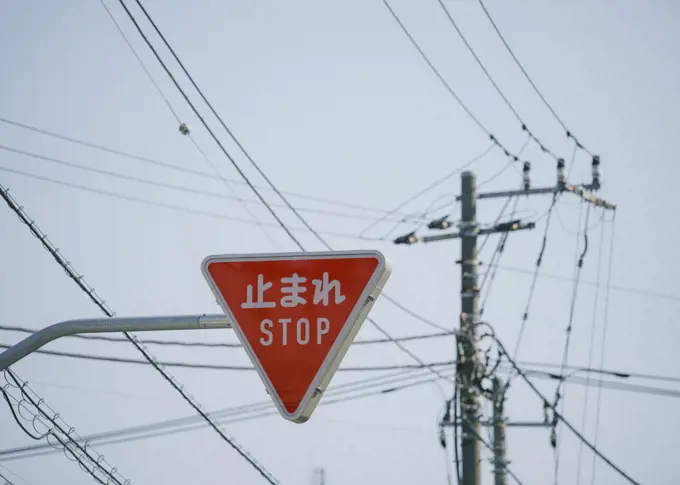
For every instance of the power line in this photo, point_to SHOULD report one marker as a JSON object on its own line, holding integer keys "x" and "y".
{"x": 445, "y": 83}
{"x": 197, "y": 365}
{"x": 183, "y": 343}
{"x": 7, "y": 481}
{"x": 496, "y": 256}
{"x": 534, "y": 279}
{"x": 219, "y": 118}
{"x": 54, "y": 426}
{"x": 14, "y": 474}
{"x": 252, "y": 161}
{"x": 180, "y": 188}
{"x": 202, "y": 120}
{"x": 163, "y": 205}
{"x": 184, "y": 170}
{"x": 428, "y": 188}
{"x": 398, "y": 381}
{"x": 187, "y": 132}
{"x": 559, "y": 392}
{"x": 429, "y": 210}
{"x": 603, "y": 342}
{"x": 376, "y": 368}
{"x": 570, "y": 279}
{"x": 337, "y": 393}
{"x": 79, "y": 280}
{"x": 557, "y": 414}
{"x": 537, "y": 266}
{"x": 493, "y": 82}
{"x": 569, "y": 133}
{"x": 591, "y": 347}
{"x": 283, "y": 198}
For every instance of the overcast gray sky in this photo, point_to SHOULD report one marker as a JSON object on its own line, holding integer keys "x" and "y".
{"x": 332, "y": 101}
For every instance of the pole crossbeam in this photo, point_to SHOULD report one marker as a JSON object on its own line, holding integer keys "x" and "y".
{"x": 107, "y": 325}
{"x": 468, "y": 231}
{"x": 586, "y": 192}
{"x": 509, "y": 424}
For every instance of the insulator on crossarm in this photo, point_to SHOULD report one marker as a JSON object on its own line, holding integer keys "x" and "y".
{"x": 409, "y": 238}
{"x": 561, "y": 177}
{"x": 440, "y": 223}
{"x": 526, "y": 175}
{"x": 596, "y": 172}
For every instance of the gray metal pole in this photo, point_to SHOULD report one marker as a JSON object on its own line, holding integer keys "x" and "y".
{"x": 469, "y": 398}
{"x": 499, "y": 458}
{"x": 105, "y": 325}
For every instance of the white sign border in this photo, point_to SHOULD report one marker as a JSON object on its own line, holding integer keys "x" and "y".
{"x": 344, "y": 339}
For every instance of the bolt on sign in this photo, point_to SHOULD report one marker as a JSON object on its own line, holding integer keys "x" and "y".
{"x": 296, "y": 314}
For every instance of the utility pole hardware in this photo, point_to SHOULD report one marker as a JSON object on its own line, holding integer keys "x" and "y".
{"x": 469, "y": 293}
{"x": 499, "y": 459}
{"x": 468, "y": 372}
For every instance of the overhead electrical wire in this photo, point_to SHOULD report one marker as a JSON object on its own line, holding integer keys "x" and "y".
{"x": 187, "y": 132}
{"x": 398, "y": 381}
{"x": 447, "y": 86}
{"x": 55, "y": 427}
{"x": 427, "y": 188}
{"x": 559, "y": 392}
{"x": 6, "y": 478}
{"x": 576, "y": 233}
{"x": 231, "y": 159}
{"x": 80, "y": 281}
{"x": 591, "y": 347}
{"x": 217, "y": 116}
{"x": 335, "y": 394}
{"x": 182, "y": 188}
{"x": 363, "y": 368}
{"x": 537, "y": 266}
{"x": 183, "y": 343}
{"x": 176, "y": 208}
{"x": 569, "y": 133}
{"x": 556, "y": 413}
{"x": 196, "y": 365}
{"x": 490, "y": 274}
{"x": 612, "y": 287}
{"x": 487, "y": 238}
{"x": 427, "y": 214}
{"x": 534, "y": 279}
{"x": 186, "y": 170}
{"x": 14, "y": 474}
{"x": 142, "y": 7}
{"x": 429, "y": 210}
{"x": 8, "y": 455}
{"x": 493, "y": 82}
{"x": 247, "y": 155}
{"x": 603, "y": 342}
{"x": 203, "y": 122}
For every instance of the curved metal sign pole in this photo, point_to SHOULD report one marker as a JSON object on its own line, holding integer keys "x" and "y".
{"x": 109, "y": 325}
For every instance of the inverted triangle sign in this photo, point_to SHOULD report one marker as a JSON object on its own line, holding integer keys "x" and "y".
{"x": 296, "y": 314}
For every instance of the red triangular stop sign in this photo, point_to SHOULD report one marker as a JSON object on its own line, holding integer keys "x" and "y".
{"x": 296, "y": 315}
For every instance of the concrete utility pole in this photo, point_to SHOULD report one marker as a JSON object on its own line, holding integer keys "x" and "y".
{"x": 499, "y": 458}
{"x": 469, "y": 396}
{"x": 470, "y": 318}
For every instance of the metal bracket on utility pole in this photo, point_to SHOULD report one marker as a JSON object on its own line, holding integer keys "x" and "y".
{"x": 107, "y": 325}
{"x": 583, "y": 191}
{"x": 504, "y": 227}
{"x": 468, "y": 232}
{"x": 509, "y": 424}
